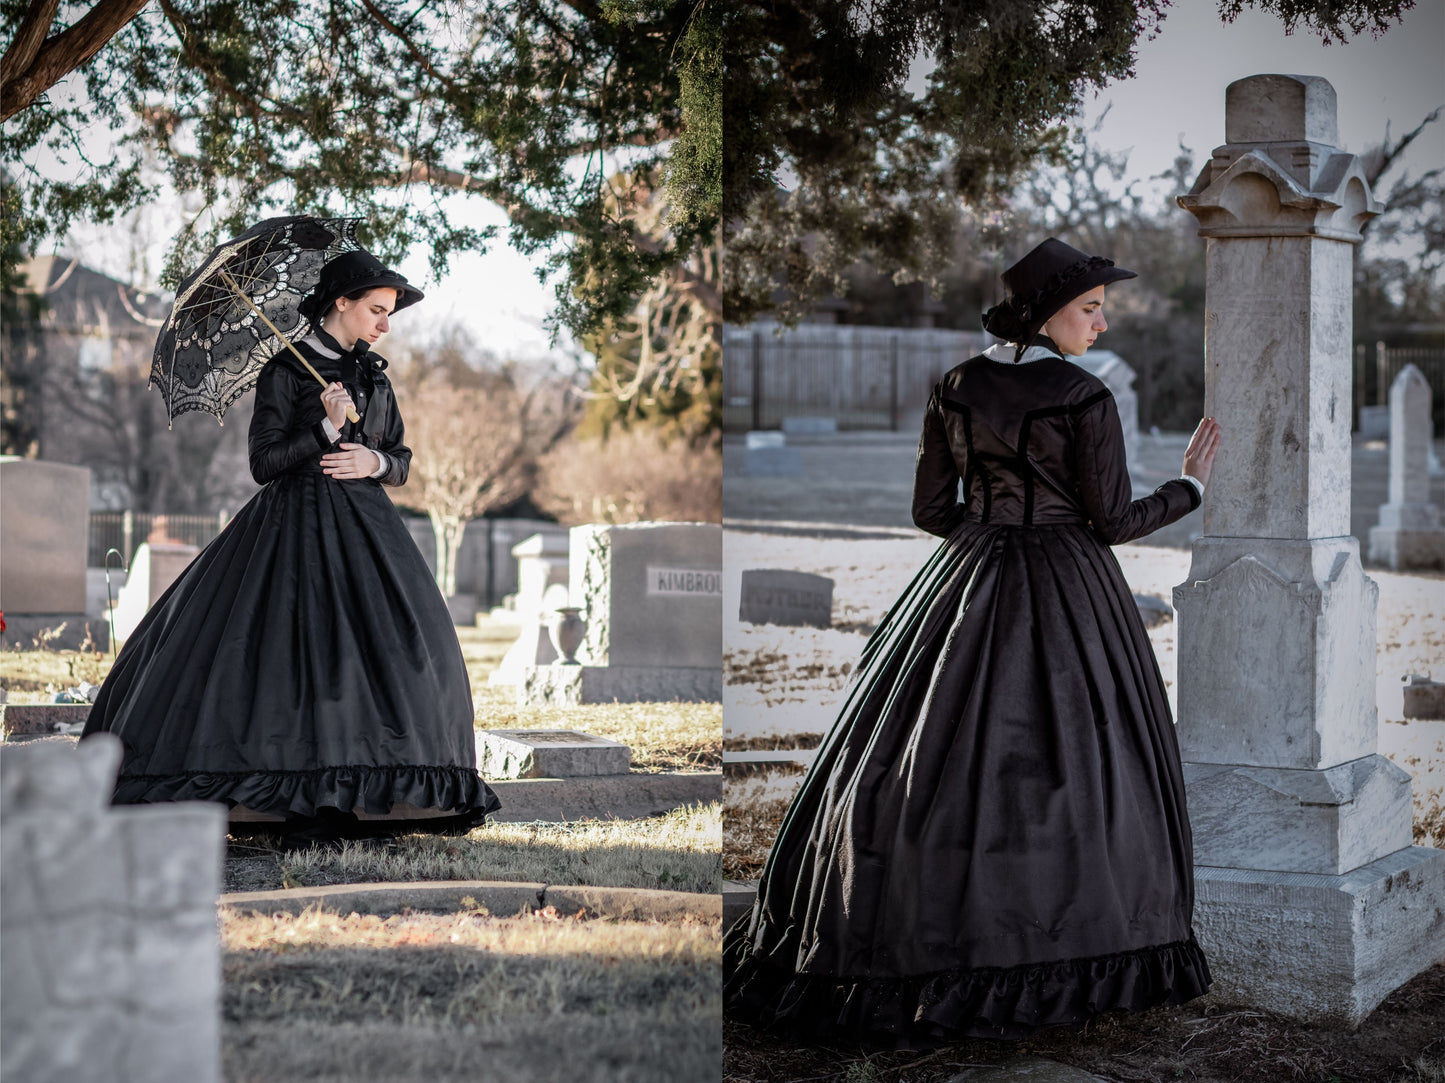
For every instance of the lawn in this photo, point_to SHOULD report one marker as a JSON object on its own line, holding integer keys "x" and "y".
{"x": 454, "y": 998}
{"x": 679, "y": 851}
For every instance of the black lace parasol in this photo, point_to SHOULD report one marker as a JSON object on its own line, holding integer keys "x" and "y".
{"x": 213, "y": 345}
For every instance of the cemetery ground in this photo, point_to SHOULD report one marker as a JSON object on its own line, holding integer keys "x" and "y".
{"x": 847, "y": 518}
{"x": 451, "y": 988}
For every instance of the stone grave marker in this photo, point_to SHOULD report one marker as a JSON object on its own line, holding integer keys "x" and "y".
{"x": 768, "y": 456}
{"x": 549, "y": 754}
{"x": 1409, "y": 534}
{"x": 110, "y": 966}
{"x": 778, "y": 596}
{"x": 44, "y": 535}
{"x": 1310, "y": 899}
{"x": 541, "y": 577}
{"x": 153, "y": 568}
{"x": 651, "y": 594}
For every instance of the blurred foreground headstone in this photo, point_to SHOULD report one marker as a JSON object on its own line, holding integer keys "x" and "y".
{"x": 110, "y": 968}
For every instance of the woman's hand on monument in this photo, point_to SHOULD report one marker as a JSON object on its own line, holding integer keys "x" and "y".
{"x": 336, "y": 401}
{"x": 1199, "y": 455}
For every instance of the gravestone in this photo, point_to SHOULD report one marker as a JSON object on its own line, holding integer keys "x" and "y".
{"x": 651, "y": 594}
{"x": 549, "y": 754}
{"x": 1118, "y": 376}
{"x": 768, "y": 456}
{"x": 541, "y": 576}
{"x": 153, "y": 568}
{"x": 110, "y": 966}
{"x": 776, "y": 596}
{"x": 44, "y": 535}
{"x": 1310, "y": 899}
{"x": 1410, "y": 535}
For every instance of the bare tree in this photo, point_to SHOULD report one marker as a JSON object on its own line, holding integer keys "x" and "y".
{"x": 476, "y": 435}
{"x": 632, "y": 476}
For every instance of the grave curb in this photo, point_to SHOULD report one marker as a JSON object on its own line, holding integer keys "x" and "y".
{"x": 501, "y": 897}
{"x": 603, "y": 797}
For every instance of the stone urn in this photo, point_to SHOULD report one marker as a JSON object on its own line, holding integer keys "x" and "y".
{"x": 566, "y": 629}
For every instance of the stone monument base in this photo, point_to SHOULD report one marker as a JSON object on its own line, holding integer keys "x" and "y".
{"x": 549, "y": 754}
{"x": 570, "y": 685}
{"x": 1399, "y": 549}
{"x": 1322, "y": 949}
{"x": 1292, "y": 820}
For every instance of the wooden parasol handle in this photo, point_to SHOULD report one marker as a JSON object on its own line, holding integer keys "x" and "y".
{"x": 351, "y": 414}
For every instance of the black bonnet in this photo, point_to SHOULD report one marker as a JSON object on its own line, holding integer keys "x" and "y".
{"x": 350, "y": 272}
{"x": 1041, "y": 283}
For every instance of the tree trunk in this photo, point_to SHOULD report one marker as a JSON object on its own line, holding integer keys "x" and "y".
{"x": 447, "y": 532}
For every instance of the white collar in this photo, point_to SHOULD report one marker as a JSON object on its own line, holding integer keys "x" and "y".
{"x": 1004, "y": 352}
{"x": 314, "y": 341}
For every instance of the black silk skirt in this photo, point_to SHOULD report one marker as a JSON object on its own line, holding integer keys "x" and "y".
{"x": 303, "y": 666}
{"x": 993, "y": 838}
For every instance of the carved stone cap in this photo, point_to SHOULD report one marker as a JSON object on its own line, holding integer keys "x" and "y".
{"x": 1280, "y": 109}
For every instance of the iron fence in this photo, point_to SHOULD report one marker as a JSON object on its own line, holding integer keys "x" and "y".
{"x": 126, "y": 530}
{"x": 1377, "y": 366}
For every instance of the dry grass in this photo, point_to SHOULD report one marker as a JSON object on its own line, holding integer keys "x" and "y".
{"x": 679, "y": 851}
{"x": 662, "y": 736}
{"x": 1205, "y": 1042}
{"x": 33, "y": 676}
{"x": 538, "y": 997}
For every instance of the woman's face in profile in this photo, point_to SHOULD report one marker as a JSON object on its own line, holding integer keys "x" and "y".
{"x": 1075, "y": 326}
{"x": 367, "y": 317}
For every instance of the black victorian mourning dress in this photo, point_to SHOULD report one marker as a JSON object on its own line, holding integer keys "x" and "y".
{"x": 993, "y": 838}
{"x": 304, "y": 666}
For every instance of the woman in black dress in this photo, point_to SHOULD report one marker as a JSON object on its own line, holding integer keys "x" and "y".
{"x": 303, "y": 669}
{"x": 993, "y": 837}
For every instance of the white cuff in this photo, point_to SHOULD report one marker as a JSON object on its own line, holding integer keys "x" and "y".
{"x": 381, "y": 471}
{"x": 1198, "y": 485}
{"x": 332, "y": 432}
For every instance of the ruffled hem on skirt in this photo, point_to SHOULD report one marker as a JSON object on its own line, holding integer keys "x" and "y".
{"x": 372, "y": 788}
{"x": 926, "y": 1010}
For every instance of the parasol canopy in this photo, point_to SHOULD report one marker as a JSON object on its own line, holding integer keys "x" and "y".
{"x": 216, "y": 341}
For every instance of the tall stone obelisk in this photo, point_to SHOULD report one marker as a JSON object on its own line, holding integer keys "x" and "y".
{"x": 1311, "y": 900}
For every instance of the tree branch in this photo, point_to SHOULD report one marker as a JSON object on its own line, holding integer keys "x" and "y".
{"x": 33, "y": 28}
{"x": 58, "y": 56}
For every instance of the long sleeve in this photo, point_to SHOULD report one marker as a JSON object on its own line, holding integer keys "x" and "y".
{"x": 935, "y": 476}
{"x": 285, "y": 428}
{"x": 1104, "y": 484}
{"x": 391, "y": 443}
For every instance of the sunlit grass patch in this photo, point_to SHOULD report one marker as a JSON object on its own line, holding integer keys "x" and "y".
{"x": 679, "y": 851}
{"x": 541, "y": 996}
{"x": 662, "y": 736}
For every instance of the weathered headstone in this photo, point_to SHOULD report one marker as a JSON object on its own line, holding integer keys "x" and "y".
{"x": 777, "y": 596}
{"x": 541, "y": 566}
{"x": 1118, "y": 376}
{"x": 768, "y": 456}
{"x": 1310, "y": 900}
{"x": 153, "y": 568}
{"x": 651, "y": 594}
{"x": 110, "y": 968}
{"x": 1424, "y": 698}
{"x": 44, "y": 535}
{"x": 1410, "y": 534}
{"x": 549, "y": 754}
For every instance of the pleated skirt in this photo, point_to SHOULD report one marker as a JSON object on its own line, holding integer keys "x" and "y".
{"x": 303, "y": 664}
{"x": 993, "y": 838}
